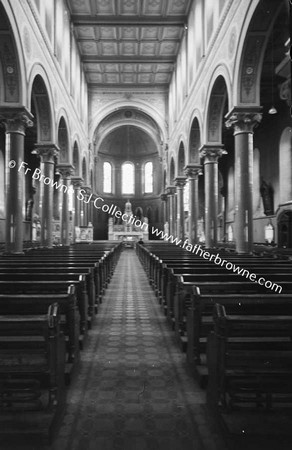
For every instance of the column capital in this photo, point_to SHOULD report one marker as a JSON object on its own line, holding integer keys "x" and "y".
{"x": 243, "y": 119}
{"x": 163, "y": 197}
{"x": 16, "y": 120}
{"x": 47, "y": 152}
{"x": 66, "y": 170}
{"x": 170, "y": 190}
{"x": 180, "y": 181}
{"x": 211, "y": 153}
{"x": 192, "y": 170}
{"x": 87, "y": 189}
{"x": 77, "y": 182}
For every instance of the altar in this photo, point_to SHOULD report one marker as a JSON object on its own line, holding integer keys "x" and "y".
{"x": 128, "y": 228}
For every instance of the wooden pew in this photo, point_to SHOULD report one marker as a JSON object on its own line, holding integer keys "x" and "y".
{"x": 164, "y": 274}
{"x": 200, "y": 322}
{"x": 68, "y": 271}
{"x": 250, "y": 366}
{"x": 34, "y": 298}
{"x": 32, "y": 367}
{"x": 91, "y": 271}
{"x": 37, "y": 283}
{"x": 180, "y": 290}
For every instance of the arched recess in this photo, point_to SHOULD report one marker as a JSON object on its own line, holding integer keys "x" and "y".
{"x": 91, "y": 179}
{"x": 13, "y": 84}
{"x": 84, "y": 170}
{"x": 251, "y": 49}
{"x": 215, "y": 111}
{"x": 194, "y": 142}
{"x": 139, "y": 213}
{"x": 171, "y": 172}
{"x": 63, "y": 141}
{"x": 181, "y": 162}
{"x": 76, "y": 161}
{"x": 43, "y": 110}
{"x": 285, "y": 165}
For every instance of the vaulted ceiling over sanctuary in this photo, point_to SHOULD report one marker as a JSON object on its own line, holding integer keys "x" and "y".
{"x": 132, "y": 42}
{"x": 128, "y": 141}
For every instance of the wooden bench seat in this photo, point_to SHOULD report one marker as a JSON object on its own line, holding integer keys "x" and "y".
{"x": 243, "y": 375}
{"x": 48, "y": 283}
{"x": 37, "y": 300}
{"x": 91, "y": 270}
{"x": 32, "y": 361}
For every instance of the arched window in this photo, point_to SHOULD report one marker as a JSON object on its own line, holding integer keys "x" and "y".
{"x": 107, "y": 177}
{"x": 128, "y": 178}
{"x": 148, "y": 177}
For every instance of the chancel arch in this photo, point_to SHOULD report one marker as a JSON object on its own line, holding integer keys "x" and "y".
{"x": 129, "y": 142}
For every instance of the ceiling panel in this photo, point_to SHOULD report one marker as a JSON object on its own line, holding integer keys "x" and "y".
{"x": 109, "y": 48}
{"x": 129, "y": 7}
{"x": 106, "y": 7}
{"x": 148, "y": 48}
{"x": 129, "y": 41}
{"x": 149, "y": 32}
{"x": 107, "y": 33}
{"x": 128, "y": 33}
{"x": 88, "y": 47}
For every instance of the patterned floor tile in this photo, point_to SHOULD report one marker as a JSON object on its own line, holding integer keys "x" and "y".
{"x": 133, "y": 390}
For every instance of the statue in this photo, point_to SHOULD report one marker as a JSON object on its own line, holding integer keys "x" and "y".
{"x": 267, "y": 196}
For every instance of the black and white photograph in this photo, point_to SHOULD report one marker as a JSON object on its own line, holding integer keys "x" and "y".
{"x": 145, "y": 225}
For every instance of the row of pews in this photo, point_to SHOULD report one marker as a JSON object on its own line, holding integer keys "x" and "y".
{"x": 49, "y": 299}
{"x": 236, "y": 333}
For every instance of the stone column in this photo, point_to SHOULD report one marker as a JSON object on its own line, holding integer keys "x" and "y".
{"x": 171, "y": 193}
{"x": 243, "y": 121}
{"x": 77, "y": 184}
{"x": 47, "y": 153}
{"x": 86, "y": 205}
{"x": 15, "y": 120}
{"x": 211, "y": 153}
{"x": 192, "y": 172}
{"x": 164, "y": 203}
{"x": 66, "y": 171}
{"x": 180, "y": 183}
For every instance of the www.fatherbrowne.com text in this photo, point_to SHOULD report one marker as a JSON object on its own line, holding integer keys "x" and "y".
{"x": 113, "y": 210}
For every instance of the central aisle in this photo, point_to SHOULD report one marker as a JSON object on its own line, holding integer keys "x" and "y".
{"x": 133, "y": 391}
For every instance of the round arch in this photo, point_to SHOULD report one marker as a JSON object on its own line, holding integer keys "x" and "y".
{"x": 76, "y": 158}
{"x": 63, "y": 141}
{"x": 137, "y": 105}
{"x": 18, "y": 77}
{"x": 113, "y": 127}
{"x": 251, "y": 50}
{"x": 171, "y": 171}
{"x": 194, "y": 141}
{"x": 43, "y": 110}
{"x": 84, "y": 170}
{"x": 214, "y": 114}
{"x": 47, "y": 103}
{"x": 181, "y": 159}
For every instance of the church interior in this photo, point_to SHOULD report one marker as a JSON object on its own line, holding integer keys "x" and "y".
{"x": 145, "y": 225}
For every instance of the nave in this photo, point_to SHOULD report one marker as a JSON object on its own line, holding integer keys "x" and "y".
{"x": 133, "y": 390}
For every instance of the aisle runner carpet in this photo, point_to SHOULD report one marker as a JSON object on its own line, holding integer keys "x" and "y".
{"x": 133, "y": 391}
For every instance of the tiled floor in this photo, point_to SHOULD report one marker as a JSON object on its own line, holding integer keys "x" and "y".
{"x": 133, "y": 391}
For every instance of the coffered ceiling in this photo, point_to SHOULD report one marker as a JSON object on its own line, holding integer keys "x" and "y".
{"x": 129, "y": 42}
